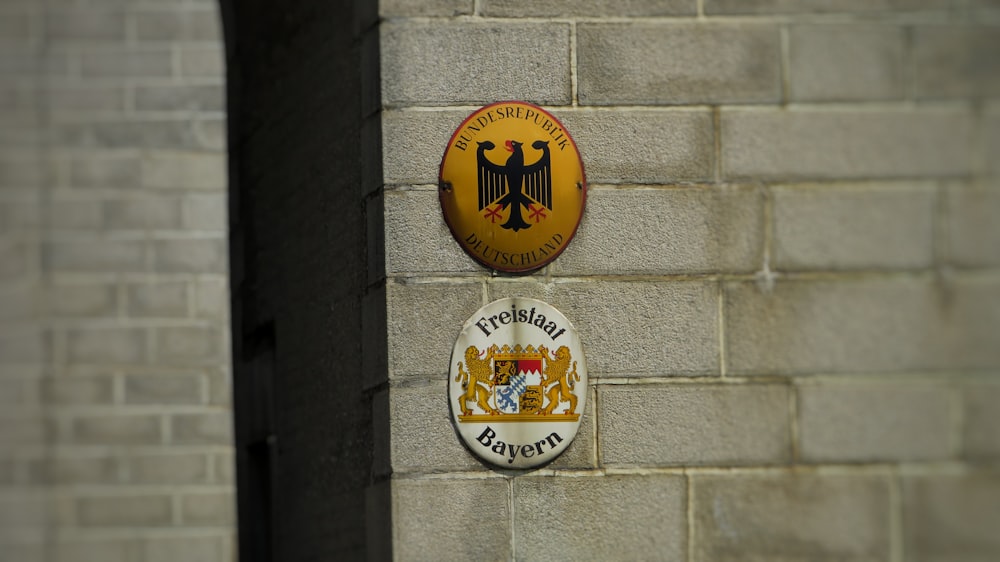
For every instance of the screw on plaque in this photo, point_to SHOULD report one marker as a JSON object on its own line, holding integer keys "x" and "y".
{"x": 579, "y": 185}
{"x": 445, "y": 186}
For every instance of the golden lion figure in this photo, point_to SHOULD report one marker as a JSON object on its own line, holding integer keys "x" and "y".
{"x": 557, "y": 374}
{"x": 480, "y": 372}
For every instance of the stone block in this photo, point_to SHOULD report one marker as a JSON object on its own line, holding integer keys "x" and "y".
{"x": 949, "y": 61}
{"x": 990, "y": 124}
{"x": 428, "y": 515}
{"x": 981, "y": 420}
{"x": 656, "y": 425}
{"x": 21, "y": 61}
{"x": 212, "y": 298}
{"x": 18, "y": 216}
{"x": 790, "y": 516}
{"x": 20, "y": 393}
{"x": 80, "y": 300}
{"x": 124, "y": 511}
{"x": 846, "y": 62}
{"x": 474, "y": 62}
{"x": 610, "y": 517}
{"x": 117, "y": 430}
{"x": 31, "y": 549}
{"x": 95, "y": 550}
{"x": 200, "y": 61}
{"x": 423, "y": 438}
{"x": 669, "y": 231}
{"x": 22, "y": 509}
{"x": 205, "y": 212}
{"x": 220, "y": 387}
{"x": 14, "y": 96}
{"x": 949, "y": 518}
{"x": 636, "y": 329}
{"x": 150, "y": 134}
{"x": 713, "y": 7}
{"x": 164, "y": 299}
{"x": 415, "y": 244}
{"x": 16, "y": 260}
{"x": 663, "y": 146}
{"x": 875, "y": 422}
{"x": 208, "y": 509}
{"x": 186, "y": 548}
{"x": 149, "y": 213}
{"x": 20, "y": 303}
{"x": 69, "y": 24}
{"x": 973, "y": 228}
{"x": 24, "y": 429}
{"x": 180, "y": 25}
{"x": 209, "y": 132}
{"x": 71, "y": 215}
{"x": 587, "y": 8}
{"x": 189, "y": 345}
{"x": 967, "y": 327}
{"x": 225, "y": 468}
{"x": 82, "y": 255}
{"x": 841, "y": 143}
{"x": 198, "y": 97}
{"x": 26, "y": 169}
{"x": 90, "y": 469}
{"x": 20, "y": 126}
{"x": 105, "y": 345}
{"x": 191, "y": 255}
{"x": 162, "y": 390}
{"x": 8, "y": 469}
{"x": 678, "y": 63}
{"x": 407, "y": 8}
{"x": 72, "y": 99}
{"x": 24, "y": 346}
{"x": 861, "y": 325}
{"x": 424, "y": 320}
{"x": 209, "y": 428}
{"x": 121, "y": 63}
{"x": 15, "y": 26}
{"x": 105, "y": 169}
{"x": 67, "y": 391}
{"x": 413, "y": 144}
{"x": 582, "y": 452}
{"x": 854, "y": 226}
{"x": 184, "y": 170}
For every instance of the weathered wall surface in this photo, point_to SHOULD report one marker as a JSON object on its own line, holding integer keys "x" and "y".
{"x": 786, "y": 278}
{"x": 114, "y": 352}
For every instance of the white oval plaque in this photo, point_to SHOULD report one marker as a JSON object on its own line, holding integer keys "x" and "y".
{"x": 518, "y": 383}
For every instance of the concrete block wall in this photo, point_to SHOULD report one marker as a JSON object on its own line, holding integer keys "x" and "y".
{"x": 114, "y": 345}
{"x": 785, "y": 280}
{"x": 24, "y": 513}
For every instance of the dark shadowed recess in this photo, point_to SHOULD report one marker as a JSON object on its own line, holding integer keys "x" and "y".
{"x": 302, "y": 89}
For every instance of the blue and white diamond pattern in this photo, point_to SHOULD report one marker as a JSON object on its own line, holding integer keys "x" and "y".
{"x": 509, "y": 397}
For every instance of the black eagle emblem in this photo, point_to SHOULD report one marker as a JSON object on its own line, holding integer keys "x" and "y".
{"x": 514, "y": 184}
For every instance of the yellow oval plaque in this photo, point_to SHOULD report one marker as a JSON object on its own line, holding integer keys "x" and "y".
{"x": 512, "y": 186}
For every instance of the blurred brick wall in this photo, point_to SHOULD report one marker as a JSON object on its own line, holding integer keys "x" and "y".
{"x": 114, "y": 347}
{"x": 786, "y": 279}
